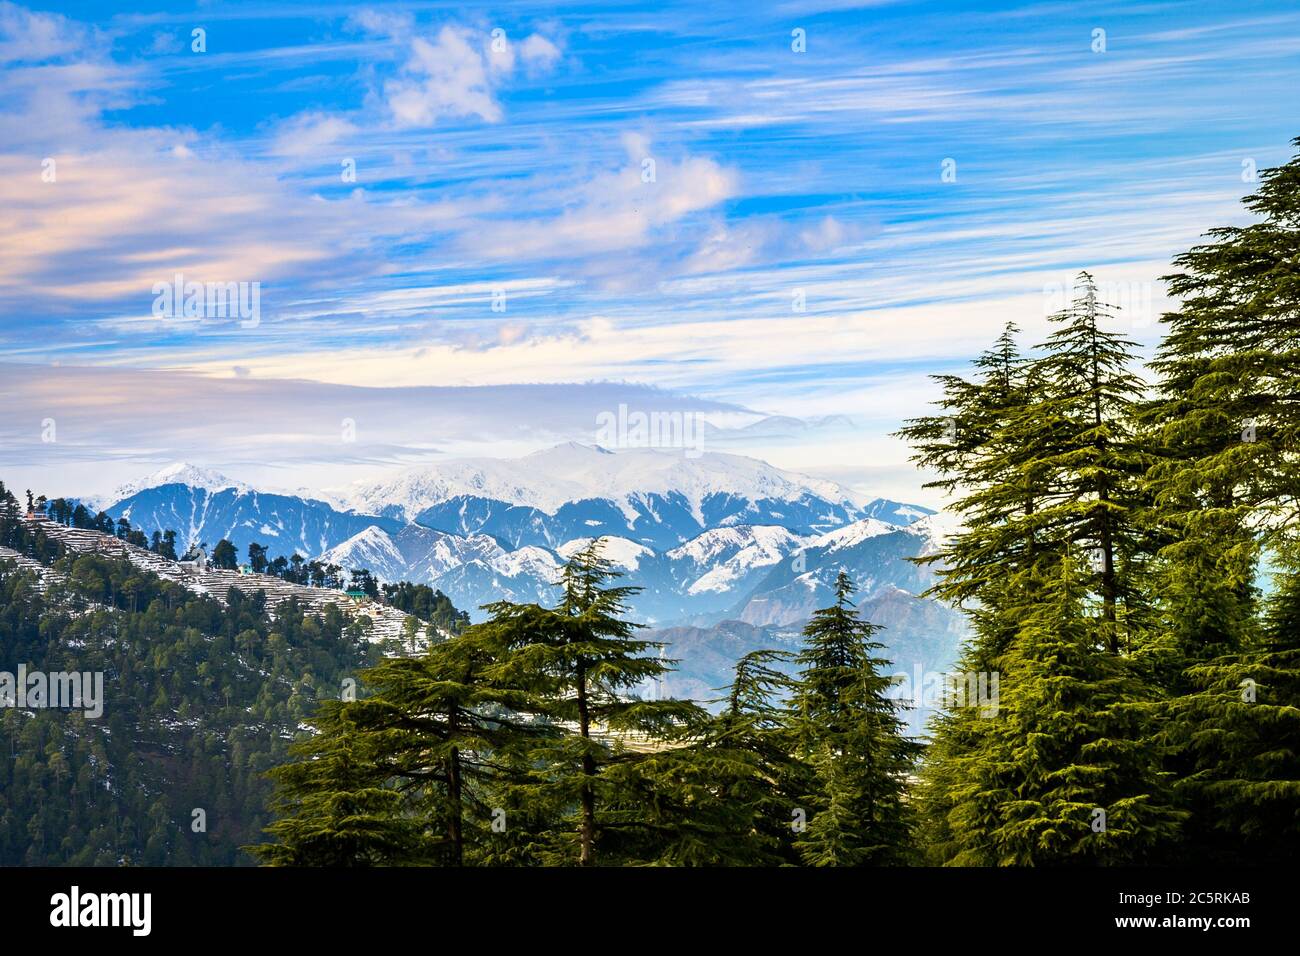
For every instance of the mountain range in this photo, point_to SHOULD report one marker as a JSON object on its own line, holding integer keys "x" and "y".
{"x": 714, "y": 541}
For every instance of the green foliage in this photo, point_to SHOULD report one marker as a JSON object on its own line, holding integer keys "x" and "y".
{"x": 848, "y": 728}
{"x": 523, "y": 741}
{"x": 200, "y": 701}
{"x": 1067, "y": 744}
{"x": 431, "y": 606}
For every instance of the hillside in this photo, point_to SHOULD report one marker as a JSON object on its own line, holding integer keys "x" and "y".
{"x": 381, "y": 622}
{"x": 200, "y": 697}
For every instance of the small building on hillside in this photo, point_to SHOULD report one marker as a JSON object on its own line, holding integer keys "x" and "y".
{"x": 245, "y": 569}
{"x": 356, "y": 595}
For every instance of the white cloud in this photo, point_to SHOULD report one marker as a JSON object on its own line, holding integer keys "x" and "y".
{"x": 28, "y": 37}
{"x": 307, "y": 134}
{"x": 455, "y": 73}
{"x": 384, "y": 22}
{"x": 612, "y": 210}
{"x": 446, "y": 77}
{"x": 538, "y": 53}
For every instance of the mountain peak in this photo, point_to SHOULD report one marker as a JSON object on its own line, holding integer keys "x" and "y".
{"x": 570, "y": 472}
{"x": 179, "y": 473}
{"x": 571, "y": 447}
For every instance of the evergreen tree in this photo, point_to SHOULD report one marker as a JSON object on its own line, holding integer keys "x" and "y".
{"x": 1226, "y": 488}
{"x": 335, "y": 807}
{"x": 848, "y": 727}
{"x": 257, "y": 557}
{"x": 1091, "y": 465}
{"x": 1065, "y": 771}
{"x": 581, "y": 657}
{"x": 1235, "y": 740}
{"x": 440, "y": 738}
{"x": 721, "y": 793}
{"x": 224, "y": 556}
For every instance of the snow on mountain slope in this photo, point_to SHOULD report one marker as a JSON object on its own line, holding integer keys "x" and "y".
{"x": 853, "y": 534}
{"x": 702, "y": 538}
{"x": 530, "y": 561}
{"x": 618, "y": 551}
{"x": 548, "y": 479}
{"x": 725, "y": 543}
{"x": 421, "y": 554}
{"x": 372, "y": 549}
{"x": 177, "y": 473}
{"x": 938, "y": 527}
{"x": 723, "y": 559}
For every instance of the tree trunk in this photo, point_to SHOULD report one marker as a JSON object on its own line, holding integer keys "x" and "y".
{"x": 588, "y": 828}
{"x": 454, "y": 823}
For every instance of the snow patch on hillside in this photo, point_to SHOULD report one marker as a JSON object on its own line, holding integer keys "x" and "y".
{"x": 855, "y": 533}
{"x": 621, "y": 552}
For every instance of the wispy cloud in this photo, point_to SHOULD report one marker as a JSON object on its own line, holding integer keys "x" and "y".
{"x": 680, "y": 196}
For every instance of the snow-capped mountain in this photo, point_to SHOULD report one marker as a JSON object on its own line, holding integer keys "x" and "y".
{"x": 546, "y": 480}
{"x": 285, "y": 524}
{"x": 876, "y": 555}
{"x": 656, "y": 497}
{"x": 705, "y": 538}
{"x": 724, "y": 548}
{"x": 760, "y": 574}
{"x": 725, "y": 559}
{"x": 178, "y": 473}
{"x": 620, "y": 552}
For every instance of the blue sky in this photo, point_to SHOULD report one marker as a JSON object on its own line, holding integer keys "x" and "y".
{"x": 502, "y": 154}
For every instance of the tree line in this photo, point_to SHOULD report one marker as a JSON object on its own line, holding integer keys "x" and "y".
{"x": 426, "y": 603}
{"x": 533, "y": 739}
{"x": 1129, "y": 566}
{"x": 201, "y": 700}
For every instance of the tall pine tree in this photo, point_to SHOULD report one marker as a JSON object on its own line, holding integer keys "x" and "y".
{"x": 848, "y": 727}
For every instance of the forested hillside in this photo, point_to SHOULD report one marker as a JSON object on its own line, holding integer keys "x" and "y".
{"x": 201, "y": 700}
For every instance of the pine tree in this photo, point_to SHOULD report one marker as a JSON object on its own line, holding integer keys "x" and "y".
{"x": 1047, "y": 458}
{"x": 583, "y": 659}
{"x": 1226, "y": 489}
{"x": 1092, "y": 458}
{"x": 225, "y": 556}
{"x": 1065, "y": 771}
{"x": 846, "y": 725}
{"x": 336, "y": 807}
{"x": 437, "y": 733}
{"x": 1235, "y": 737}
{"x": 722, "y": 793}
{"x": 987, "y": 569}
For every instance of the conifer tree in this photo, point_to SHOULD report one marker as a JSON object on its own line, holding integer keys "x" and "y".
{"x": 723, "y": 792}
{"x": 1065, "y": 771}
{"x": 1090, "y": 457}
{"x": 1235, "y": 739}
{"x": 1226, "y": 488}
{"x": 336, "y": 809}
{"x": 583, "y": 659}
{"x": 983, "y": 463}
{"x": 438, "y": 735}
{"x": 846, "y": 725}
